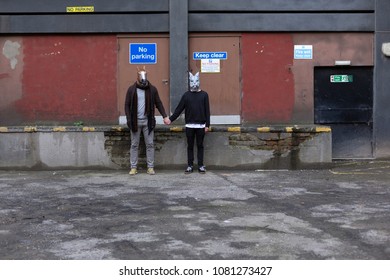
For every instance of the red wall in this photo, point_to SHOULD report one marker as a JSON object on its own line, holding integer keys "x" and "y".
{"x": 268, "y": 82}
{"x": 67, "y": 79}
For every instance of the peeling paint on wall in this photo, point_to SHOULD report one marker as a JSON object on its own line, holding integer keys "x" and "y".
{"x": 11, "y": 68}
{"x": 11, "y": 51}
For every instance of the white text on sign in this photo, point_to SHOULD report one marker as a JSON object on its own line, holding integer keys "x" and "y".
{"x": 209, "y": 55}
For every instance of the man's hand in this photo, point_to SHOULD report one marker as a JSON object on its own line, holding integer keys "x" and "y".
{"x": 206, "y": 129}
{"x": 167, "y": 121}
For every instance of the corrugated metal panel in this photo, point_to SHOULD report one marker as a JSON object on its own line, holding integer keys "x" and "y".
{"x": 293, "y": 22}
{"x": 91, "y": 23}
{"x": 281, "y": 5}
{"x": 100, "y": 6}
{"x": 49, "y": 16}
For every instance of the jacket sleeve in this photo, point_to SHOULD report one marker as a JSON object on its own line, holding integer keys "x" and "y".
{"x": 179, "y": 108}
{"x": 128, "y": 103}
{"x": 207, "y": 110}
{"x": 159, "y": 104}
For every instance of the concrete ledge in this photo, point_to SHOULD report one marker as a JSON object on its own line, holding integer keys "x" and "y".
{"x": 164, "y": 128}
{"x": 107, "y": 147}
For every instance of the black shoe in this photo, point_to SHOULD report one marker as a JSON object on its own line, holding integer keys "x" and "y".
{"x": 202, "y": 169}
{"x": 189, "y": 170}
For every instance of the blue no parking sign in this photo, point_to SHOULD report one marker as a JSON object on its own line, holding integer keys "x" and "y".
{"x": 145, "y": 53}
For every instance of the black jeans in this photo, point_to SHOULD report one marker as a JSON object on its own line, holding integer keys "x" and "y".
{"x": 191, "y": 134}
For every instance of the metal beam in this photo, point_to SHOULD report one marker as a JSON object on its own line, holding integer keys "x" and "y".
{"x": 178, "y": 49}
{"x": 382, "y": 82}
{"x": 100, "y": 6}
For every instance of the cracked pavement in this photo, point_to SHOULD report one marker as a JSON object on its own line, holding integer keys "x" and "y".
{"x": 342, "y": 212}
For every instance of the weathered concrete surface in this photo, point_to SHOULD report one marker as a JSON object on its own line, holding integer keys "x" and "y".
{"x": 337, "y": 213}
{"x": 50, "y": 148}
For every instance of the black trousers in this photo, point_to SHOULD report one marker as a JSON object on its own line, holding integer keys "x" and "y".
{"x": 191, "y": 134}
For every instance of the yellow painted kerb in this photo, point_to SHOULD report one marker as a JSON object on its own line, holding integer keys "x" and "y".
{"x": 59, "y": 129}
{"x": 88, "y": 129}
{"x": 263, "y": 129}
{"x": 176, "y": 129}
{"x": 117, "y": 128}
{"x": 323, "y": 129}
{"x": 30, "y": 129}
{"x": 234, "y": 129}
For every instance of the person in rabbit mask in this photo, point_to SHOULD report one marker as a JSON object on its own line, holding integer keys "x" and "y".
{"x": 141, "y": 100}
{"x": 195, "y": 103}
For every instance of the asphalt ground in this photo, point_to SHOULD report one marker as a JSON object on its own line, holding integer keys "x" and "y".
{"x": 340, "y": 212}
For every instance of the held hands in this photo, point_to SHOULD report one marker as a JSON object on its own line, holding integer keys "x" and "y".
{"x": 167, "y": 121}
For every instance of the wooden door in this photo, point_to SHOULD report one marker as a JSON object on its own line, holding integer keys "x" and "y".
{"x": 221, "y": 82}
{"x": 158, "y": 69}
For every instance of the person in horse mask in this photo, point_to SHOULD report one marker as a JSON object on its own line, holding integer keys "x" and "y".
{"x": 195, "y": 102}
{"x": 141, "y": 100}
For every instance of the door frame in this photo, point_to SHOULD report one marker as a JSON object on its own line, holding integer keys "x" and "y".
{"x": 157, "y": 75}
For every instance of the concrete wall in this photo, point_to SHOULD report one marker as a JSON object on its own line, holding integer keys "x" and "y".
{"x": 53, "y": 150}
{"x": 108, "y": 148}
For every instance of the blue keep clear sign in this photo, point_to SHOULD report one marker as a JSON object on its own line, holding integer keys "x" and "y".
{"x": 209, "y": 55}
{"x": 143, "y": 53}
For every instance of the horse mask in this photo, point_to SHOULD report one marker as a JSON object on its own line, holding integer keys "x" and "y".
{"x": 194, "y": 81}
{"x": 142, "y": 76}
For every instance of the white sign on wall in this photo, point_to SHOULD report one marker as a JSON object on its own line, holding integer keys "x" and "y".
{"x": 303, "y": 52}
{"x": 210, "y": 66}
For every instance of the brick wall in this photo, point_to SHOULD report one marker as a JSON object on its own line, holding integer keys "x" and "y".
{"x": 272, "y": 146}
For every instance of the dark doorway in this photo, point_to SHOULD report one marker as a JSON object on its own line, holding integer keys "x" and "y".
{"x": 343, "y": 100}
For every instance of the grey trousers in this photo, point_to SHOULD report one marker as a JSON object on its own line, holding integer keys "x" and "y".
{"x": 149, "y": 143}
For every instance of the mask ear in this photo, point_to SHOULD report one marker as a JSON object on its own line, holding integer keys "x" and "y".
{"x": 190, "y": 75}
{"x": 197, "y": 75}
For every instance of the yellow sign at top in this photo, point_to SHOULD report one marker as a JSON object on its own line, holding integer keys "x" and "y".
{"x": 86, "y": 9}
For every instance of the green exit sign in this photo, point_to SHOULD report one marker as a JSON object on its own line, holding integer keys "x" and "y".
{"x": 341, "y": 78}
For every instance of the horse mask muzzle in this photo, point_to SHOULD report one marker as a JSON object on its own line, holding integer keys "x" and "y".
{"x": 143, "y": 77}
